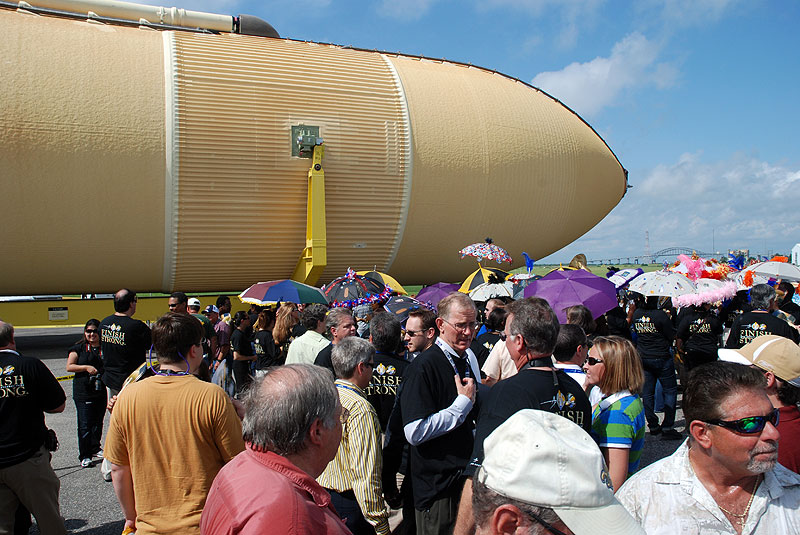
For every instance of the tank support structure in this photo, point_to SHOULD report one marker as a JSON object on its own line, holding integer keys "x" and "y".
{"x": 314, "y": 257}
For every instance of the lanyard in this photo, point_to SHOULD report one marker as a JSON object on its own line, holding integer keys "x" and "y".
{"x": 446, "y": 350}
{"x": 349, "y": 387}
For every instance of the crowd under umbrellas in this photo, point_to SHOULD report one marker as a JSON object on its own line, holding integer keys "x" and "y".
{"x": 600, "y": 317}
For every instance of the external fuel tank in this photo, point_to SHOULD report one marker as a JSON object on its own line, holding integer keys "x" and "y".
{"x": 163, "y": 159}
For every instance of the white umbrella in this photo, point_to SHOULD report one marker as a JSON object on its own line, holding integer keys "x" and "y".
{"x": 738, "y": 278}
{"x": 487, "y": 290}
{"x": 777, "y": 270}
{"x": 623, "y": 277}
{"x": 662, "y": 283}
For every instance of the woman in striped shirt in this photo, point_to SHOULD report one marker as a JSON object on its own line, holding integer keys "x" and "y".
{"x": 618, "y": 422}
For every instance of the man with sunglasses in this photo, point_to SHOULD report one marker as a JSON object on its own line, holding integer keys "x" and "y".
{"x": 725, "y": 477}
{"x": 353, "y": 478}
{"x": 778, "y": 358}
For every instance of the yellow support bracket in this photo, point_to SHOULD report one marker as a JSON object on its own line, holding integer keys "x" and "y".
{"x": 315, "y": 255}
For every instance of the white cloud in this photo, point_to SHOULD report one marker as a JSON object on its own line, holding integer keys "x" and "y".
{"x": 574, "y": 14}
{"x": 589, "y": 87}
{"x": 688, "y": 13}
{"x": 405, "y": 10}
{"x": 740, "y": 202}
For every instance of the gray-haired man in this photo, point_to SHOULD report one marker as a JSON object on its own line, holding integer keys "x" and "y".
{"x": 292, "y": 428}
{"x": 760, "y": 320}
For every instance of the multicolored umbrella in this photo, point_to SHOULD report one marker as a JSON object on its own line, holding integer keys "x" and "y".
{"x": 662, "y": 283}
{"x": 431, "y": 295}
{"x": 481, "y": 276}
{"x": 384, "y": 278}
{"x": 285, "y": 290}
{"x": 488, "y": 250}
{"x": 353, "y": 289}
{"x": 563, "y": 289}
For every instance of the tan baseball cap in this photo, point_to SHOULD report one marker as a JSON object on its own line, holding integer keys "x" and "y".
{"x": 771, "y": 353}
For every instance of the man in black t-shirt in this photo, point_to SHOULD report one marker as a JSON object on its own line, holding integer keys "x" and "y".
{"x": 530, "y": 334}
{"x": 384, "y": 335}
{"x": 654, "y": 336}
{"x": 27, "y": 390}
{"x": 760, "y": 320}
{"x": 438, "y": 419}
{"x": 124, "y": 341}
{"x": 699, "y": 332}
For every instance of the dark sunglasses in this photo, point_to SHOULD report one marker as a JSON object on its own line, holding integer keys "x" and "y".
{"x": 591, "y": 361}
{"x": 750, "y": 425}
{"x": 90, "y": 331}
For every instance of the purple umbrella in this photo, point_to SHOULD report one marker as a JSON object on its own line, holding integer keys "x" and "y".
{"x": 436, "y": 292}
{"x": 564, "y": 289}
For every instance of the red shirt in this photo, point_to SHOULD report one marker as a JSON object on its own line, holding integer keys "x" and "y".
{"x": 789, "y": 443}
{"x": 262, "y": 492}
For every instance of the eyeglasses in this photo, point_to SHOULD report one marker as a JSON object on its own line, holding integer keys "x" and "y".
{"x": 462, "y": 327}
{"x": 504, "y": 336}
{"x": 749, "y": 425}
{"x": 411, "y": 332}
{"x": 173, "y": 305}
{"x": 591, "y": 361}
{"x": 90, "y": 331}
{"x": 202, "y": 342}
{"x": 546, "y": 525}
{"x": 370, "y": 364}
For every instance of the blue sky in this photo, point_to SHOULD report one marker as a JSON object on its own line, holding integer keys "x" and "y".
{"x": 698, "y": 99}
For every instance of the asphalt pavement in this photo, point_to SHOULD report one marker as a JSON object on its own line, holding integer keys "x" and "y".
{"x": 88, "y": 503}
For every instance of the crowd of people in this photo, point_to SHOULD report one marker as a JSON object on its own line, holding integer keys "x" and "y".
{"x": 293, "y": 419}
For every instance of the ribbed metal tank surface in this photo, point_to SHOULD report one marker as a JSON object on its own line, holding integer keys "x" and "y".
{"x": 236, "y": 98}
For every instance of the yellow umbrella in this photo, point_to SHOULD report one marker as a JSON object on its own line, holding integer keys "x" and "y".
{"x": 384, "y": 278}
{"x": 481, "y": 276}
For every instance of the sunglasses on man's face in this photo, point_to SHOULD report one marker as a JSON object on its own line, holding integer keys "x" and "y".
{"x": 750, "y": 425}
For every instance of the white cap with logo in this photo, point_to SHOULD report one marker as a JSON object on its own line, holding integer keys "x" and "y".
{"x": 193, "y": 302}
{"x": 543, "y": 459}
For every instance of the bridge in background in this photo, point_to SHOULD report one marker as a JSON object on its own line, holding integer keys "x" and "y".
{"x": 659, "y": 256}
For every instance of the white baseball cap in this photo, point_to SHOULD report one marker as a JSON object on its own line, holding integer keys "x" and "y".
{"x": 543, "y": 459}
{"x": 771, "y": 353}
{"x": 193, "y": 302}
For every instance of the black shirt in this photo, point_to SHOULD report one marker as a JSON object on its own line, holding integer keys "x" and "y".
{"x": 125, "y": 342}
{"x": 757, "y": 323}
{"x": 700, "y": 332}
{"x": 324, "y": 358}
{"x": 530, "y": 389}
{"x": 387, "y": 375}
{"x": 437, "y": 465}
{"x": 84, "y": 389}
{"x": 266, "y": 350}
{"x": 27, "y": 390}
{"x": 483, "y": 346}
{"x": 241, "y": 343}
{"x": 654, "y": 331}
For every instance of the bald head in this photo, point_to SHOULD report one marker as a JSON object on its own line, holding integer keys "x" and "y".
{"x": 281, "y": 407}
{"x": 125, "y": 302}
